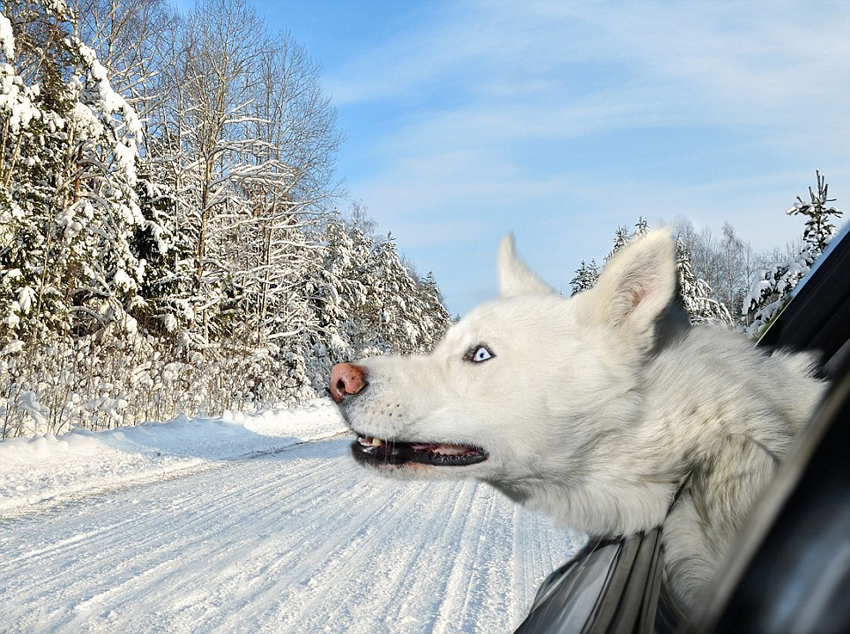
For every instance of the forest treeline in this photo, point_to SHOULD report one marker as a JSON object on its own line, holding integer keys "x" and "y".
{"x": 169, "y": 239}
{"x": 723, "y": 279}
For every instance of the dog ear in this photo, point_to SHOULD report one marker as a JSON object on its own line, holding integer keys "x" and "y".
{"x": 636, "y": 287}
{"x": 515, "y": 278}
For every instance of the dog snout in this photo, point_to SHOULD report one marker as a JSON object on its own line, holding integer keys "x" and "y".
{"x": 346, "y": 379}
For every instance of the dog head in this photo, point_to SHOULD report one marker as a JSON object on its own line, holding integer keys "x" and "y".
{"x": 523, "y": 386}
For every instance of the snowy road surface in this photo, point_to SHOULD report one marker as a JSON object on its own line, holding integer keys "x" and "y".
{"x": 210, "y": 526}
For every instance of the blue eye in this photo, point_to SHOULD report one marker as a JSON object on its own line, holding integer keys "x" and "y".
{"x": 478, "y": 354}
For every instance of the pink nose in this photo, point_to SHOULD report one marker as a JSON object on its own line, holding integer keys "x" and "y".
{"x": 346, "y": 379}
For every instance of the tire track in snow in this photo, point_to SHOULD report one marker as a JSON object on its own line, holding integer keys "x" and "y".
{"x": 395, "y": 553}
{"x": 483, "y": 599}
{"x": 366, "y": 549}
{"x": 196, "y": 520}
{"x": 430, "y": 593}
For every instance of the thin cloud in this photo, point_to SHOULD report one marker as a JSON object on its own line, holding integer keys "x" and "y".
{"x": 502, "y": 114}
{"x": 722, "y": 59}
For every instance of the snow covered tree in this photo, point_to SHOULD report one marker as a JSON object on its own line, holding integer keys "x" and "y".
{"x": 285, "y": 176}
{"x": 406, "y": 320}
{"x": 819, "y": 228}
{"x": 435, "y": 315}
{"x": 126, "y": 37}
{"x": 771, "y": 290}
{"x": 735, "y": 272}
{"x": 621, "y": 238}
{"x": 246, "y": 143}
{"x": 350, "y": 306}
{"x": 71, "y": 142}
{"x": 218, "y": 47}
{"x": 585, "y": 278}
{"x": 726, "y": 263}
{"x": 697, "y": 296}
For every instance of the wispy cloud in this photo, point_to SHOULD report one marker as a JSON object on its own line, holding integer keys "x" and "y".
{"x": 771, "y": 55}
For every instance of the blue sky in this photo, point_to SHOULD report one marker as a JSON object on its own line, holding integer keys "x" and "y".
{"x": 562, "y": 120}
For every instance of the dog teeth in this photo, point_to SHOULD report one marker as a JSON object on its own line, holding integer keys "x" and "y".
{"x": 368, "y": 441}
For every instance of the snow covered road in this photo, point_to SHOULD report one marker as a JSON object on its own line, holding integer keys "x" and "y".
{"x": 296, "y": 539}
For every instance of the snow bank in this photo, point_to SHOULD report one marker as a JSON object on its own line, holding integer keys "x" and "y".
{"x": 50, "y": 467}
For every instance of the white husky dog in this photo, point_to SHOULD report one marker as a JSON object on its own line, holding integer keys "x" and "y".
{"x": 595, "y": 409}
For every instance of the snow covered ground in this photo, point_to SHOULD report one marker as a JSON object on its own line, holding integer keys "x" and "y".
{"x": 254, "y": 524}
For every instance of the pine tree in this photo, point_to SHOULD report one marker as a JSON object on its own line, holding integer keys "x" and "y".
{"x": 436, "y": 316}
{"x": 641, "y": 228}
{"x": 819, "y": 228}
{"x": 344, "y": 304}
{"x": 71, "y": 143}
{"x": 771, "y": 290}
{"x": 585, "y": 278}
{"x": 697, "y": 296}
{"x": 621, "y": 238}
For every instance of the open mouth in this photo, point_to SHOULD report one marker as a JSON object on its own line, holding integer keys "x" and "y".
{"x": 375, "y": 451}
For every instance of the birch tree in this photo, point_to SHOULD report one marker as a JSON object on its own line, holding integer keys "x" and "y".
{"x": 209, "y": 81}
{"x": 286, "y": 179}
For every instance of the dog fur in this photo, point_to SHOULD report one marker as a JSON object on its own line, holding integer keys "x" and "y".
{"x": 598, "y": 409}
